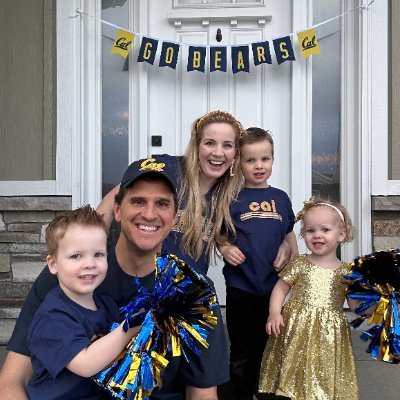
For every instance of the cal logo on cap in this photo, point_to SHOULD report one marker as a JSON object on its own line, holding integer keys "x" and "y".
{"x": 150, "y": 165}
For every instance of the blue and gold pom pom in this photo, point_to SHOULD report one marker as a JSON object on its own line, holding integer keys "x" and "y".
{"x": 177, "y": 319}
{"x": 375, "y": 283}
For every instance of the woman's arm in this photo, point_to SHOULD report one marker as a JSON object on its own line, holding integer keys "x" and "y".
{"x": 106, "y": 206}
{"x": 287, "y": 251}
{"x": 278, "y": 296}
{"x": 102, "y": 352}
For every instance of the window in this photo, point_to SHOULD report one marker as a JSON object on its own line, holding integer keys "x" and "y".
{"x": 27, "y": 101}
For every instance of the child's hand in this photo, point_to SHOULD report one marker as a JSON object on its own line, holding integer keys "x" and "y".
{"x": 274, "y": 324}
{"x": 232, "y": 255}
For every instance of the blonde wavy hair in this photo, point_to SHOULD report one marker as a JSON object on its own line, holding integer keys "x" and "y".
{"x": 344, "y": 223}
{"x": 224, "y": 192}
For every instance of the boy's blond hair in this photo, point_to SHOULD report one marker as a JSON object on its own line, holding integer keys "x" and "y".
{"x": 84, "y": 216}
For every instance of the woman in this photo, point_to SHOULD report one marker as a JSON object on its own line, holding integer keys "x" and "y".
{"x": 209, "y": 179}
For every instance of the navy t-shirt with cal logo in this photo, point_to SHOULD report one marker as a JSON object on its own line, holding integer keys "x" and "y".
{"x": 262, "y": 218}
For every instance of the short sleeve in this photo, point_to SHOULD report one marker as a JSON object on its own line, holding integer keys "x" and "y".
{"x": 60, "y": 331}
{"x": 291, "y": 272}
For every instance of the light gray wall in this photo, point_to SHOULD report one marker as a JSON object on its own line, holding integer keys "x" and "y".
{"x": 395, "y": 98}
{"x": 27, "y": 117}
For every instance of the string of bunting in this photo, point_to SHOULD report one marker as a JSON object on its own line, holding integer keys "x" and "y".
{"x": 218, "y": 55}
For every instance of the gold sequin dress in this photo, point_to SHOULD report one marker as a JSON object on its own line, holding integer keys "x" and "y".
{"x": 312, "y": 358}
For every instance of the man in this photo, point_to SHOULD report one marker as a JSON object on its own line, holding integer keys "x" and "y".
{"x": 146, "y": 207}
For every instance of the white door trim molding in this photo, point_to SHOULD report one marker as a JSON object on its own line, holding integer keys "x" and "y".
{"x": 301, "y": 125}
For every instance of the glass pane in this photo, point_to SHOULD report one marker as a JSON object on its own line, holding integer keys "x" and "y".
{"x": 326, "y": 103}
{"x": 394, "y": 91}
{"x": 115, "y": 97}
{"x": 27, "y": 100}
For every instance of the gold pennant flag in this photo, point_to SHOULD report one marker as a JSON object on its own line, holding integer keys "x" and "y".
{"x": 122, "y": 43}
{"x": 308, "y": 42}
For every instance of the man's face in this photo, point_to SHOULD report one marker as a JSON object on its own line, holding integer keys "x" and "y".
{"x": 147, "y": 215}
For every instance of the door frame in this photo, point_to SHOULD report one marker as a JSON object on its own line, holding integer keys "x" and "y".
{"x": 356, "y": 130}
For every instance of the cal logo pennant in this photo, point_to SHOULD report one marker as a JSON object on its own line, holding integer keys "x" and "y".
{"x": 169, "y": 55}
{"x": 196, "y": 58}
{"x": 148, "y": 49}
{"x": 261, "y": 53}
{"x": 283, "y": 49}
{"x": 240, "y": 59}
{"x": 308, "y": 43}
{"x": 218, "y": 58}
{"x": 122, "y": 43}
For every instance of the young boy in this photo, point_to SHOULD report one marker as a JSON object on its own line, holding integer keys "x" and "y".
{"x": 72, "y": 316}
{"x": 263, "y": 218}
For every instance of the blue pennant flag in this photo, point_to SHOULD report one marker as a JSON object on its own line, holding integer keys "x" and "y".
{"x": 196, "y": 58}
{"x": 148, "y": 50}
{"x": 283, "y": 49}
{"x": 169, "y": 55}
{"x": 261, "y": 53}
{"x": 240, "y": 59}
{"x": 218, "y": 58}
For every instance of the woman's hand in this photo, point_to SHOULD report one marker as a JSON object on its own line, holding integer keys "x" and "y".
{"x": 282, "y": 257}
{"x": 232, "y": 254}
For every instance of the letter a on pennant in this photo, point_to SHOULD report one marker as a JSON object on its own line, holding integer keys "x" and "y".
{"x": 308, "y": 43}
{"x": 122, "y": 43}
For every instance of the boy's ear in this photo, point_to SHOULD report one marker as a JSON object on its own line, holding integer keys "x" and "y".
{"x": 51, "y": 263}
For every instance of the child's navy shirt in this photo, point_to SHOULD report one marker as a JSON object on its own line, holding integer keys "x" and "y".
{"x": 59, "y": 331}
{"x": 262, "y": 218}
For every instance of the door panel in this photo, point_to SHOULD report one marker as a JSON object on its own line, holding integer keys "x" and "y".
{"x": 165, "y": 101}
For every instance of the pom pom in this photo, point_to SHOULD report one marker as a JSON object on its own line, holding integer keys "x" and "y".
{"x": 178, "y": 318}
{"x": 375, "y": 281}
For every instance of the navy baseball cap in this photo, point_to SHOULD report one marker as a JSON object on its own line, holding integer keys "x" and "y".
{"x": 149, "y": 166}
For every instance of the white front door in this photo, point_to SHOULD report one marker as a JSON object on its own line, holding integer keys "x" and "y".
{"x": 170, "y": 100}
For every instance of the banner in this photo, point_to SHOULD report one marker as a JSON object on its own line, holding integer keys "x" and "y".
{"x": 218, "y": 58}
{"x": 261, "y": 53}
{"x": 283, "y": 49}
{"x": 169, "y": 55}
{"x": 148, "y": 50}
{"x": 122, "y": 43}
{"x": 308, "y": 43}
{"x": 240, "y": 59}
{"x": 196, "y": 58}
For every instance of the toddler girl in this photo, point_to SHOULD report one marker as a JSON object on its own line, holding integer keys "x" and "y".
{"x": 310, "y": 355}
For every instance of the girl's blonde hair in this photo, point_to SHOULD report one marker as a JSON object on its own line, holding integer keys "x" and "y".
{"x": 342, "y": 213}
{"x": 225, "y": 190}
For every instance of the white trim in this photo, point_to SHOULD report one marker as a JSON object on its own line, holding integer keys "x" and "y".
{"x": 87, "y": 138}
{"x": 355, "y": 130}
{"x": 379, "y": 96}
{"x": 66, "y": 61}
{"x": 301, "y": 120}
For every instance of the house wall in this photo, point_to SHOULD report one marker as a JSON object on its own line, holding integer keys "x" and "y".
{"x": 23, "y": 221}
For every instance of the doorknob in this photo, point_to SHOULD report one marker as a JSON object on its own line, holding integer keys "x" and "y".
{"x": 219, "y": 35}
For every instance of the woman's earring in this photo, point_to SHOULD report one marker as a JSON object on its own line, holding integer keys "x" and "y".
{"x": 231, "y": 173}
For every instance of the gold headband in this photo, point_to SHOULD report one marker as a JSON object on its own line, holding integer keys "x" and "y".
{"x": 238, "y": 124}
{"x": 312, "y": 202}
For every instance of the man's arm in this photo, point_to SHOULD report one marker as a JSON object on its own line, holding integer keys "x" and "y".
{"x": 193, "y": 393}
{"x": 15, "y": 374}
